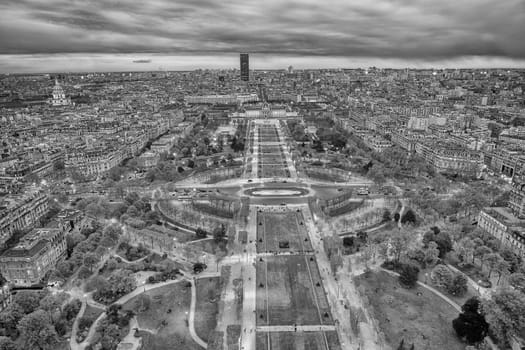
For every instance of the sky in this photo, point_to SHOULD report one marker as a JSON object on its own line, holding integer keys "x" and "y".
{"x": 105, "y": 35}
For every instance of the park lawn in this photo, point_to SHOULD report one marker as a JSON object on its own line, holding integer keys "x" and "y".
{"x": 300, "y": 340}
{"x": 324, "y": 176}
{"x": 182, "y": 236}
{"x": 424, "y": 320}
{"x": 177, "y": 297}
{"x": 207, "y": 306}
{"x": 92, "y": 312}
{"x": 285, "y": 294}
{"x": 167, "y": 342}
{"x": 323, "y": 192}
{"x": 460, "y": 300}
{"x": 278, "y": 227}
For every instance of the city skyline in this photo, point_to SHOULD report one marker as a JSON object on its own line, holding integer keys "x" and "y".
{"x": 80, "y": 36}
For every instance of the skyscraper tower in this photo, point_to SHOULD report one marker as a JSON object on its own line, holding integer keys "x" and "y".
{"x": 245, "y": 67}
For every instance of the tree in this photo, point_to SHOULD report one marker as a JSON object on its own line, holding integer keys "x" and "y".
{"x": 387, "y": 215}
{"x": 133, "y": 211}
{"x": 480, "y": 252}
{"x": 28, "y": 300}
{"x": 470, "y": 324}
{"x": 408, "y": 275}
{"x": 348, "y": 241}
{"x": 502, "y": 268}
{"x": 71, "y": 309}
{"x": 458, "y": 286}
{"x": 219, "y": 233}
{"x": 199, "y": 267}
{"x": 52, "y": 303}
{"x": 492, "y": 260}
{"x": 509, "y": 256}
{"x": 396, "y": 217}
{"x": 399, "y": 243}
{"x": 9, "y": 319}
{"x": 7, "y": 344}
{"x": 517, "y": 281}
{"x": 441, "y": 276}
{"x": 505, "y": 314}
{"x": 408, "y": 217}
{"x": 90, "y": 261}
{"x": 37, "y": 331}
{"x": 431, "y": 253}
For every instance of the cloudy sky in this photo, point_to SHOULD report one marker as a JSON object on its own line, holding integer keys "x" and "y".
{"x": 86, "y": 35}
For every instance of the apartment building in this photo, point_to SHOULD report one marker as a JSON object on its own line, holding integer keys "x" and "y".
{"x": 33, "y": 257}
{"x": 18, "y": 212}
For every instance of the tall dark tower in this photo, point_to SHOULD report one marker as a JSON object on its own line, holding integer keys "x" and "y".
{"x": 245, "y": 67}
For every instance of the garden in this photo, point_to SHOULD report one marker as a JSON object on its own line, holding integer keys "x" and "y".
{"x": 285, "y": 293}
{"x": 162, "y": 315}
{"x": 413, "y": 316}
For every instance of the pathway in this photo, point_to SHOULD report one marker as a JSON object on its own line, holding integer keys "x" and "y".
{"x": 191, "y": 321}
{"x": 131, "y": 295}
{"x": 301, "y": 328}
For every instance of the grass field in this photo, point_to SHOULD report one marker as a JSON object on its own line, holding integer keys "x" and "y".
{"x": 299, "y": 340}
{"x": 207, "y": 306}
{"x": 286, "y": 292}
{"x": 273, "y": 171}
{"x": 281, "y": 227}
{"x": 92, "y": 312}
{"x": 424, "y": 320}
{"x": 174, "y": 334}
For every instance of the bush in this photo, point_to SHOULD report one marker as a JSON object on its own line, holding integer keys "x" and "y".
{"x": 408, "y": 275}
{"x": 458, "y": 286}
{"x": 71, "y": 309}
{"x": 408, "y": 217}
{"x": 84, "y": 323}
{"x": 441, "y": 276}
{"x": 348, "y": 241}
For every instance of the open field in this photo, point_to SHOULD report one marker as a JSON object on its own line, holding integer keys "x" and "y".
{"x": 416, "y": 315}
{"x": 297, "y": 340}
{"x": 275, "y": 227}
{"x": 207, "y": 306}
{"x": 174, "y": 334}
{"x": 286, "y": 292}
{"x": 273, "y": 171}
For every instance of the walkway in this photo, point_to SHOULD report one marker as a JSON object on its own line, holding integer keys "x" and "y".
{"x": 131, "y": 295}
{"x": 303, "y": 328}
{"x": 427, "y": 287}
{"x": 191, "y": 321}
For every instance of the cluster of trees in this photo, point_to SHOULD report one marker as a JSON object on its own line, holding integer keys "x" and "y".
{"x": 36, "y": 320}
{"x": 131, "y": 252}
{"x": 471, "y": 325}
{"x": 119, "y": 283}
{"x": 297, "y": 131}
{"x": 454, "y": 283}
{"x": 113, "y": 328}
{"x": 237, "y": 144}
{"x": 136, "y": 211}
{"x": 482, "y": 248}
{"x": 441, "y": 239}
{"x": 505, "y": 314}
{"x": 396, "y": 163}
{"x": 85, "y": 249}
{"x": 164, "y": 276}
{"x": 165, "y": 171}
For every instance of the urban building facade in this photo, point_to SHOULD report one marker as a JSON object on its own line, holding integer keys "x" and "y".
{"x": 33, "y": 257}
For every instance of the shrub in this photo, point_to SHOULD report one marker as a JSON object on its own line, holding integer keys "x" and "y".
{"x": 408, "y": 275}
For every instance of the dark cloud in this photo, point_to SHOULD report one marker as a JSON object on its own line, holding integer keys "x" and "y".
{"x": 420, "y": 29}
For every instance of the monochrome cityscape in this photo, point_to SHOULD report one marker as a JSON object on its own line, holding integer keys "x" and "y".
{"x": 260, "y": 206}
